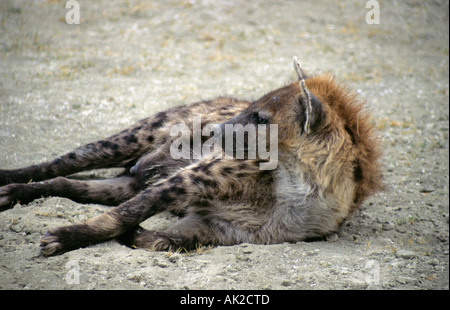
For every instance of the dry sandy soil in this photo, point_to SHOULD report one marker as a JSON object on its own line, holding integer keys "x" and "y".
{"x": 63, "y": 85}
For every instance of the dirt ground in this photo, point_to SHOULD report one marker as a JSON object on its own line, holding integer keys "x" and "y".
{"x": 63, "y": 85}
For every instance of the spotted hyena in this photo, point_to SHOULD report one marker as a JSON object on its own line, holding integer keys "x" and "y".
{"x": 327, "y": 164}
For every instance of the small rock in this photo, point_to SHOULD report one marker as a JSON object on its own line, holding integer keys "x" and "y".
{"x": 434, "y": 262}
{"x": 17, "y": 228}
{"x": 407, "y": 280}
{"x": 388, "y": 226}
{"x": 159, "y": 263}
{"x": 247, "y": 251}
{"x": 175, "y": 257}
{"x": 406, "y": 254}
{"x": 426, "y": 190}
{"x": 246, "y": 248}
{"x": 401, "y": 229}
{"x": 135, "y": 277}
{"x": 312, "y": 253}
{"x": 141, "y": 260}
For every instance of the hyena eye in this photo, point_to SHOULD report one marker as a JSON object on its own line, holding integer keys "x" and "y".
{"x": 262, "y": 121}
{"x": 259, "y": 119}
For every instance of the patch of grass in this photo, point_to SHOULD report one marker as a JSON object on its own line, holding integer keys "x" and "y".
{"x": 409, "y": 220}
{"x": 13, "y": 10}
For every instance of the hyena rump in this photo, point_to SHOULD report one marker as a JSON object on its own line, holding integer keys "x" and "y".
{"x": 328, "y": 163}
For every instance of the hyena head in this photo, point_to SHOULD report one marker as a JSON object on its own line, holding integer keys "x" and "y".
{"x": 324, "y": 134}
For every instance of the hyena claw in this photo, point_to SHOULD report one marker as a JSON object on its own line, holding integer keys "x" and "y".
{"x": 50, "y": 245}
{"x": 9, "y": 196}
{"x": 59, "y": 240}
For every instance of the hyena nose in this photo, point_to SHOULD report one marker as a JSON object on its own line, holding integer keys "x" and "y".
{"x": 218, "y": 130}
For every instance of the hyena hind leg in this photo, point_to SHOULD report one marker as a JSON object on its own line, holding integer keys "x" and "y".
{"x": 187, "y": 234}
{"x": 107, "y": 192}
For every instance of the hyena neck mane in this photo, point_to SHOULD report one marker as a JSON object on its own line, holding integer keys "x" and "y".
{"x": 343, "y": 151}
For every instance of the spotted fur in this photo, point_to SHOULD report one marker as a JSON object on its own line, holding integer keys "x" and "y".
{"x": 323, "y": 175}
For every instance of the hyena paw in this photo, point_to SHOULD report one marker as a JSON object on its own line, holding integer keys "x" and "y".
{"x": 139, "y": 237}
{"x": 50, "y": 244}
{"x": 9, "y": 195}
{"x": 61, "y": 239}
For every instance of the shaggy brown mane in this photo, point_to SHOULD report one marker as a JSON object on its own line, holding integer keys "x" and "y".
{"x": 360, "y": 127}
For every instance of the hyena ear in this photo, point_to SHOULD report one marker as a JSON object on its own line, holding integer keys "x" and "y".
{"x": 313, "y": 107}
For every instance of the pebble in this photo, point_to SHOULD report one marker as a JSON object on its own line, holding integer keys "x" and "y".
{"x": 312, "y": 253}
{"x": 286, "y": 283}
{"x": 401, "y": 229}
{"x": 434, "y": 262}
{"x": 158, "y": 263}
{"x": 174, "y": 257}
{"x": 405, "y": 254}
{"x": 407, "y": 280}
{"x": 246, "y": 248}
{"x": 247, "y": 251}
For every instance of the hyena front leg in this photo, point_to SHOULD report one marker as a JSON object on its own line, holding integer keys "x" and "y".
{"x": 193, "y": 189}
{"x": 115, "y": 151}
{"x": 108, "y": 225}
{"x": 108, "y": 192}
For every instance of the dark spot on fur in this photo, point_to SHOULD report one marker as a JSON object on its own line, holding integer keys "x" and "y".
{"x": 109, "y": 145}
{"x": 225, "y": 196}
{"x": 197, "y": 169}
{"x": 203, "y": 168}
{"x": 226, "y": 170}
{"x": 130, "y": 138}
{"x": 209, "y": 165}
{"x": 210, "y": 183}
{"x": 205, "y": 182}
{"x": 203, "y": 212}
{"x": 178, "y": 190}
{"x": 166, "y": 197}
{"x": 350, "y": 133}
{"x": 265, "y": 173}
{"x": 150, "y": 139}
{"x": 72, "y": 155}
{"x": 357, "y": 171}
{"x": 136, "y": 129}
{"x": 160, "y": 119}
{"x": 176, "y": 180}
{"x": 203, "y": 203}
{"x": 243, "y": 166}
{"x": 157, "y": 124}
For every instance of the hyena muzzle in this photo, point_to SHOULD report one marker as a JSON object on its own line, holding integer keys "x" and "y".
{"x": 327, "y": 164}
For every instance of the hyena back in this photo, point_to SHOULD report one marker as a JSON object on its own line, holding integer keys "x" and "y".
{"x": 328, "y": 163}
